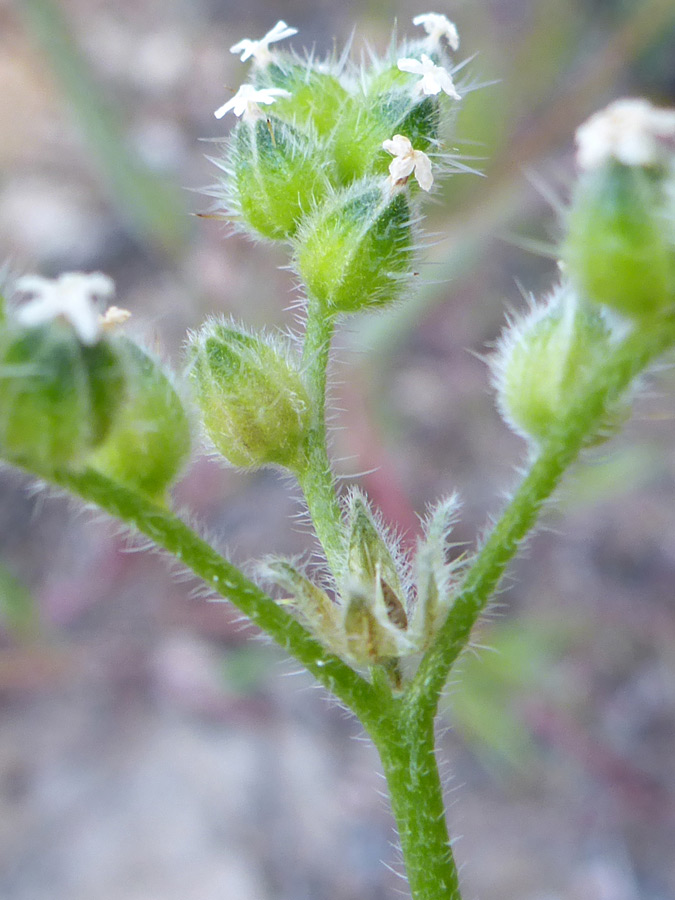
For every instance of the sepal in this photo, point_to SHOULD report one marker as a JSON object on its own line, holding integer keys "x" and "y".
{"x": 278, "y": 173}
{"x": 150, "y": 440}
{"x": 356, "y": 249}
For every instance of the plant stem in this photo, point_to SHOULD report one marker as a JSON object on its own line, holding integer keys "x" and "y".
{"x": 173, "y": 535}
{"x": 566, "y": 441}
{"x": 409, "y": 763}
{"x": 316, "y": 478}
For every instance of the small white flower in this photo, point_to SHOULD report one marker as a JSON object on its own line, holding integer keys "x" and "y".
{"x": 73, "y": 296}
{"x": 434, "y": 78}
{"x": 631, "y": 131}
{"x": 438, "y": 27}
{"x": 245, "y": 101}
{"x": 260, "y": 50}
{"x": 406, "y": 161}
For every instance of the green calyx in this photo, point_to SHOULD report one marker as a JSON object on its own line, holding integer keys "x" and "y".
{"x": 254, "y": 403}
{"x": 545, "y": 362}
{"x": 620, "y": 249}
{"x": 317, "y": 97}
{"x": 356, "y": 250}
{"x": 278, "y": 174}
{"x": 58, "y": 397}
{"x": 150, "y": 440}
{"x": 369, "y": 119}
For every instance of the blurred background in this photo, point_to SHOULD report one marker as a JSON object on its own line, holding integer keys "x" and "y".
{"x": 151, "y": 748}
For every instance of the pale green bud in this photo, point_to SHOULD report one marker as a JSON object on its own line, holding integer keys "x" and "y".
{"x": 545, "y": 360}
{"x": 356, "y": 250}
{"x": 317, "y": 97}
{"x": 150, "y": 440}
{"x": 620, "y": 247}
{"x": 278, "y": 174}
{"x": 58, "y": 397}
{"x": 253, "y": 399}
{"x": 368, "y": 120}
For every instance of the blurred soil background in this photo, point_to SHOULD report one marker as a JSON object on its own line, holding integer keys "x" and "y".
{"x": 151, "y": 748}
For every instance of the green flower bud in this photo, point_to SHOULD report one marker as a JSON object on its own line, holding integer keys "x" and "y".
{"x": 317, "y": 97}
{"x": 150, "y": 439}
{"x": 58, "y": 397}
{"x": 356, "y": 250}
{"x": 368, "y": 120}
{"x": 254, "y": 403}
{"x": 278, "y": 174}
{"x": 544, "y": 362}
{"x": 620, "y": 249}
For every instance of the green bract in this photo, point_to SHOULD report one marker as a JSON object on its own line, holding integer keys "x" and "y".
{"x": 620, "y": 250}
{"x": 58, "y": 397}
{"x": 150, "y": 439}
{"x": 254, "y": 403}
{"x": 356, "y": 250}
{"x": 278, "y": 174}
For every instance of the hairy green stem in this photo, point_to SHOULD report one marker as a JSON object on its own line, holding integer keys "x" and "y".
{"x": 409, "y": 763}
{"x": 316, "y": 478}
{"x": 566, "y": 441}
{"x": 172, "y": 534}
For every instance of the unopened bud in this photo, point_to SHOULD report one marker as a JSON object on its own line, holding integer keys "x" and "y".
{"x": 58, "y": 397}
{"x": 620, "y": 248}
{"x": 254, "y": 403}
{"x": 278, "y": 175}
{"x": 544, "y": 362}
{"x": 355, "y": 251}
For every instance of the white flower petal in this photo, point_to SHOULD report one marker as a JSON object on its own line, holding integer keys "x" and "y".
{"x": 434, "y": 78}
{"x": 446, "y": 83}
{"x": 631, "y": 131}
{"x": 259, "y": 50}
{"x": 399, "y": 145}
{"x": 401, "y": 167}
{"x": 280, "y": 32}
{"x": 73, "y": 296}
{"x": 408, "y": 160}
{"x": 414, "y": 66}
{"x": 245, "y": 101}
{"x": 423, "y": 173}
{"x": 246, "y": 48}
{"x": 438, "y": 26}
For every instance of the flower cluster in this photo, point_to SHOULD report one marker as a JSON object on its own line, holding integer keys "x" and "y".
{"x": 333, "y": 118}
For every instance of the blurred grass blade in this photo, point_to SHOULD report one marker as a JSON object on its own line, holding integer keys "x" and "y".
{"x": 152, "y": 210}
